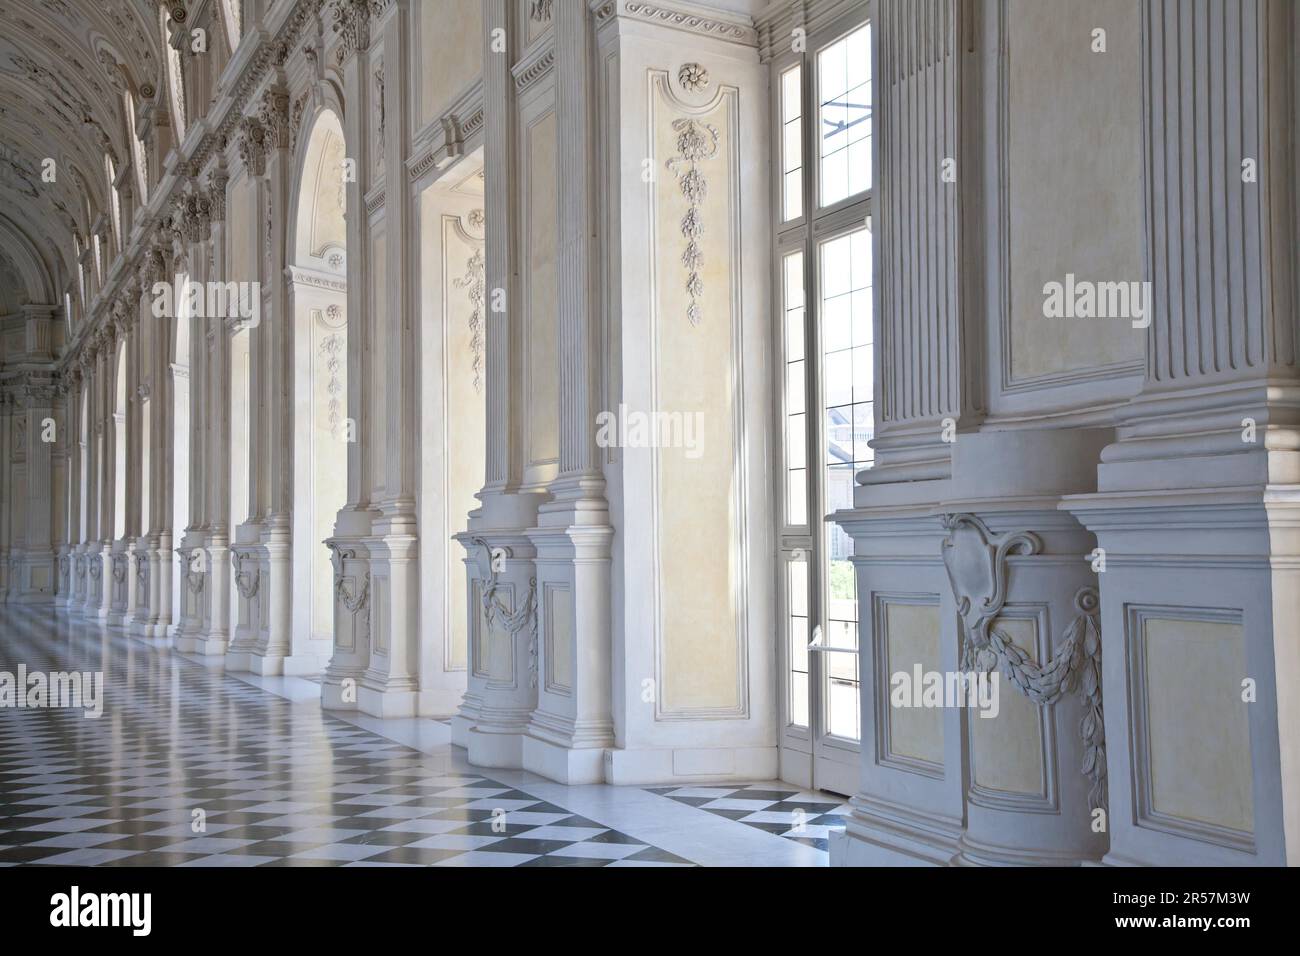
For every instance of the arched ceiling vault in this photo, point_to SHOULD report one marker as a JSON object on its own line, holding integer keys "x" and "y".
{"x": 64, "y": 65}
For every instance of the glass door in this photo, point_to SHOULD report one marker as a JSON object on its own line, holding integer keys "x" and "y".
{"x": 823, "y": 194}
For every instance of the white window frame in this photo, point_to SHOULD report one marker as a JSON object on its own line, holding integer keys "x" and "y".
{"x": 807, "y": 233}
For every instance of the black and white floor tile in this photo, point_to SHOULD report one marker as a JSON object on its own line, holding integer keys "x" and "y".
{"x": 800, "y": 815}
{"x": 190, "y": 766}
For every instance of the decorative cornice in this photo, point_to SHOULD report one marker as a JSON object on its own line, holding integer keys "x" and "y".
{"x": 689, "y": 17}
{"x": 534, "y": 66}
{"x": 317, "y": 280}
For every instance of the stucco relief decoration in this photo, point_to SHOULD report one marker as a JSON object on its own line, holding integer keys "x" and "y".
{"x": 978, "y": 570}
{"x": 378, "y": 108}
{"x": 141, "y": 576}
{"x": 696, "y": 143}
{"x": 541, "y": 10}
{"x": 273, "y": 115}
{"x": 253, "y": 145}
{"x": 194, "y": 570}
{"x": 352, "y": 24}
{"x": 354, "y": 600}
{"x": 246, "y": 582}
{"x": 270, "y": 235}
{"x": 295, "y": 119}
{"x": 498, "y": 613}
{"x": 475, "y": 281}
{"x": 333, "y": 349}
{"x": 216, "y": 196}
{"x": 693, "y": 77}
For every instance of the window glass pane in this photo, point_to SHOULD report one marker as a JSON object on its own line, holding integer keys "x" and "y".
{"x": 794, "y": 388}
{"x": 796, "y": 430}
{"x": 791, "y": 145}
{"x": 793, "y": 195}
{"x": 846, "y": 401}
{"x": 797, "y": 497}
{"x": 797, "y": 580}
{"x": 794, "y": 334}
{"x": 844, "y": 116}
{"x": 791, "y": 106}
{"x": 843, "y": 705}
{"x": 796, "y": 439}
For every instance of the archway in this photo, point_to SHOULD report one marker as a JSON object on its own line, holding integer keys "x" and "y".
{"x": 318, "y": 259}
{"x": 453, "y": 409}
{"x": 119, "y": 445}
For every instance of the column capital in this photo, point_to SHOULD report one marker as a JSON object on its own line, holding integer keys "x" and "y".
{"x": 254, "y": 143}
{"x": 216, "y": 193}
{"x": 273, "y": 115}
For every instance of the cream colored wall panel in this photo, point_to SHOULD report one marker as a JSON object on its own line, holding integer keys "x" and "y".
{"x": 464, "y": 330}
{"x": 1007, "y": 750}
{"x": 1197, "y": 725}
{"x": 695, "y": 367}
{"x": 1074, "y": 177}
{"x": 327, "y": 415}
{"x": 559, "y": 638}
{"x": 451, "y": 41}
{"x": 911, "y": 639}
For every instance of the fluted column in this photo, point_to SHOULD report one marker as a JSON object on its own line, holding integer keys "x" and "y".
{"x": 195, "y": 591}
{"x": 928, "y": 381}
{"x": 350, "y": 542}
{"x": 930, "y": 350}
{"x": 1195, "y": 510}
{"x": 102, "y": 561}
{"x": 6, "y": 493}
{"x": 495, "y": 710}
{"x": 572, "y": 725}
{"x": 389, "y": 685}
{"x": 70, "y": 583}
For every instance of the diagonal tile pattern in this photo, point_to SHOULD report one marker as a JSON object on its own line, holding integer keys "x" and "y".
{"x": 800, "y": 815}
{"x": 187, "y": 767}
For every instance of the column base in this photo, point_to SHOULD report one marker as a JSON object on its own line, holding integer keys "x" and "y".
{"x": 973, "y": 853}
{"x": 387, "y": 703}
{"x": 500, "y": 750}
{"x": 439, "y": 702}
{"x": 892, "y": 836}
{"x": 334, "y": 695}
{"x": 275, "y": 665}
{"x": 211, "y": 646}
{"x": 562, "y": 764}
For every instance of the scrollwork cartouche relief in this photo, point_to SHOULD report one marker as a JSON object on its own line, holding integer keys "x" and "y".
{"x": 976, "y": 560}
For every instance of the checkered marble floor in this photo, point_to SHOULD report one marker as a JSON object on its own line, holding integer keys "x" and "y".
{"x": 800, "y": 815}
{"x": 189, "y": 767}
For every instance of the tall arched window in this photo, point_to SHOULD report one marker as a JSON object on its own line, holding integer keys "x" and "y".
{"x": 115, "y": 200}
{"x": 137, "y": 149}
{"x": 81, "y": 270}
{"x": 175, "y": 78}
{"x": 234, "y": 23}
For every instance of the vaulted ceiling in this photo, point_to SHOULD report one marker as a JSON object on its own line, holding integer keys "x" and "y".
{"x": 64, "y": 66}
